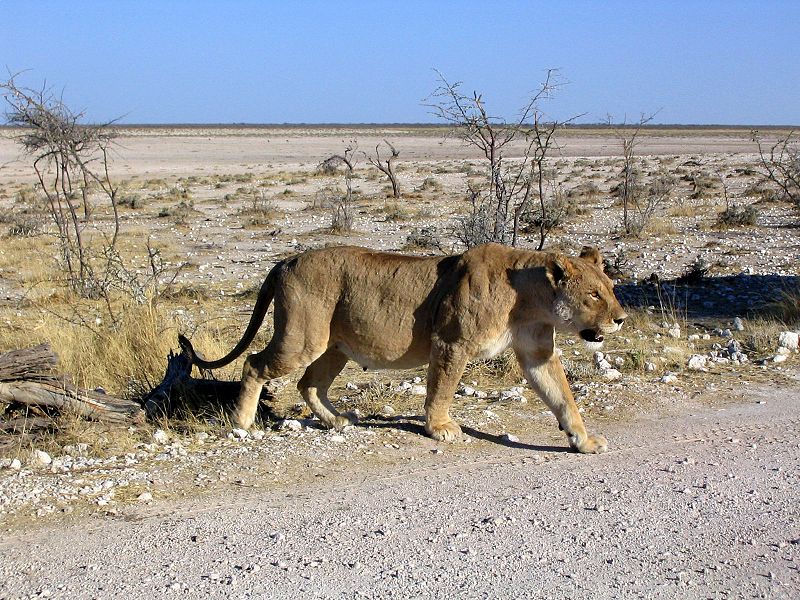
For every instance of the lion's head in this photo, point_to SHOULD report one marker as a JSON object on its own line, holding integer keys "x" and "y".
{"x": 585, "y": 302}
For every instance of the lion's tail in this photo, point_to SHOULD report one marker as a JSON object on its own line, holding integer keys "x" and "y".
{"x": 265, "y": 296}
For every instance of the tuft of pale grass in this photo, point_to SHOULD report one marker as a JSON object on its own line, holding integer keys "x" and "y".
{"x": 786, "y": 308}
{"x": 761, "y": 335}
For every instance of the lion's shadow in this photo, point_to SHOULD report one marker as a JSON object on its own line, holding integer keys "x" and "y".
{"x": 414, "y": 424}
{"x": 697, "y": 296}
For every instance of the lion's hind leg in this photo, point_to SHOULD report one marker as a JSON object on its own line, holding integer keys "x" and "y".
{"x": 272, "y": 362}
{"x": 314, "y": 387}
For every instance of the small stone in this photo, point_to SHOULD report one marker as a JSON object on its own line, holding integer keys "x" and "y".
{"x": 467, "y": 391}
{"x": 351, "y": 386}
{"x": 649, "y": 367}
{"x": 668, "y": 378}
{"x": 160, "y": 436}
{"x": 418, "y": 390}
{"x": 510, "y": 437}
{"x": 697, "y": 362}
{"x": 40, "y": 457}
{"x": 611, "y": 375}
{"x": 619, "y": 361}
{"x": 779, "y": 358}
{"x": 598, "y": 357}
{"x": 239, "y": 433}
{"x": 337, "y": 439}
{"x": 200, "y": 437}
{"x": 15, "y": 464}
{"x": 789, "y": 340}
{"x": 604, "y": 365}
{"x": 694, "y": 337}
{"x": 674, "y": 331}
{"x": 291, "y": 425}
{"x": 258, "y": 434}
{"x": 144, "y": 497}
{"x": 387, "y": 410}
{"x": 738, "y": 324}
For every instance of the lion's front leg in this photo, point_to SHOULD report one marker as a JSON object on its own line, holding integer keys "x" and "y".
{"x": 444, "y": 372}
{"x": 545, "y": 375}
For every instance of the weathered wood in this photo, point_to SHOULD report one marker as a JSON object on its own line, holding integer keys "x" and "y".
{"x": 38, "y": 362}
{"x": 28, "y": 377}
{"x": 179, "y": 391}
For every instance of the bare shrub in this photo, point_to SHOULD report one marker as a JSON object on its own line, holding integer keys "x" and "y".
{"x": 640, "y": 198}
{"x": 386, "y": 166}
{"x": 342, "y": 206}
{"x": 71, "y": 162}
{"x": 510, "y": 186}
{"x": 737, "y": 216}
{"x": 781, "y": 165}
{"x": 424, "y": 238}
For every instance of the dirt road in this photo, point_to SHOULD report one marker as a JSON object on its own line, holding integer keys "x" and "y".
{"x": 700, "y": 506}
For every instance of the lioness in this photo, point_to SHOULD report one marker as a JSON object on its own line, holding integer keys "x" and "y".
{"x": 386, "y": 310}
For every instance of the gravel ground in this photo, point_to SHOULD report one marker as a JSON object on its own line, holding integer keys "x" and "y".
{"x": 701, "y": 504}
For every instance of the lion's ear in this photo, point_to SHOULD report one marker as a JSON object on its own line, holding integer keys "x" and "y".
{"x": 560, "y": 270}
{"x": 591, "y": 254}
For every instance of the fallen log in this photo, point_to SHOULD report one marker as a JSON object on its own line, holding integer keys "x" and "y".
{"x": 28, "y": 377}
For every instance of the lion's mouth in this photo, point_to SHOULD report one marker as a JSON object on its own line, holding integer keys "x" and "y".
{"x": 590, "y": 335}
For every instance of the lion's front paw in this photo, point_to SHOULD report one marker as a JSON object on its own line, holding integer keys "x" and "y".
{"x": 449, "y": 431}
{"x": 242, "y": 421}
{"x": 593, "y": 444}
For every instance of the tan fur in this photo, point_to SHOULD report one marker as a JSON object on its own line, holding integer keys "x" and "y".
{"x": 387, "y": 310}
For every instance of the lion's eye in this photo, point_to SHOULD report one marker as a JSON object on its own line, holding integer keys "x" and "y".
{"x": 595, "y": 295}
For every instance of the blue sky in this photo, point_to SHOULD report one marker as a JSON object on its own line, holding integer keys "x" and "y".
{"x": 170, "y": 61}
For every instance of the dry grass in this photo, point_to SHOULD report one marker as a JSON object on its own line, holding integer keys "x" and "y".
{"x": 786, "y": 309}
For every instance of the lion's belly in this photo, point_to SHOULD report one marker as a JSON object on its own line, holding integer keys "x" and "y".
{"x": 495, "y": 346}
{"x": 372, "y": 357}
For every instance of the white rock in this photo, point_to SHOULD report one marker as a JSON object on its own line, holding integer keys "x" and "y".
{"x": 789, "y": 339}
{"x": 160, "y": 436}
{"x": 697, "y": 362}
{"x": 611, "y": 375}
{"x": 668, "y": 378}
{"x": 619, "y": 361}
{"x": 200, "y": 437}
{"x": 387, "y": 410}
{"x": 598, "y": 357}
{"x": 351, "y": 386}
{"x": 145, "y": 497}
{"x": 291, "y": 425}
{"x": 738, "y": 324}
{"x": 779, "y": 358}
{"x": 694, "y": 337}
{"x": 239, "y": 433}
{"x": 417, "y": 380}
{"x": 337, "y": 439}
{"x": 467, "y": 391}
{"x": 674, "y": 331}
{"x": 40, "y": 457}
{"x": 258, "y": 434}
{"x": 604, "y": 365}
{"x": 418, "y": 390}
{"x": 649, "y": 367}
{"x": 510, "y": 437}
